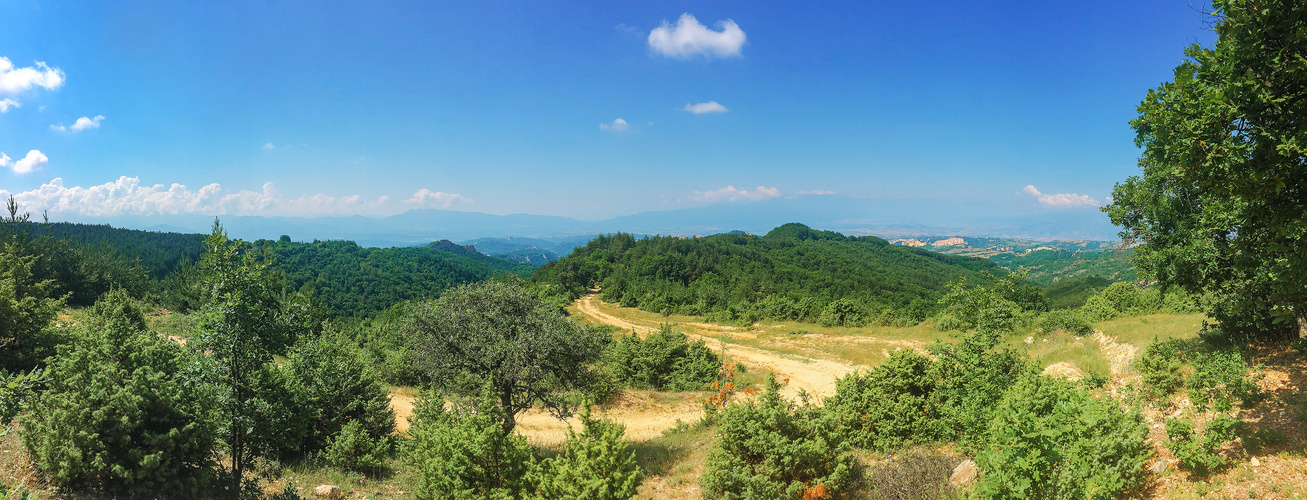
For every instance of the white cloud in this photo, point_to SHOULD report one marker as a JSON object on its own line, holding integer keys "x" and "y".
{"x": 34, "y": 160}
{"x": 127, "y": 196}
{"x": 705, "y": 107}
{"x": 426, "y": 198}
{"x": 730, "y": 193}
{"x": 81, "y": 124}
{"x": 5, "y": 104}
{"x": 689, "y": 38}
{"x": 268, "y": 146}
{"x": 618, "y": 125}
{"x": 817, "y": 192}
{"x": 1061, "y": 200}
{"x": 14, "y": 80}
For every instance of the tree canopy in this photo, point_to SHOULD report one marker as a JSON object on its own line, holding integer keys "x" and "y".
{"x": 1221, "y": 206}
{"x": 502, "y": 334}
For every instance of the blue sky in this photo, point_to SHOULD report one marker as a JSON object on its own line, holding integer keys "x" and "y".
{"x": 329, "y": 108}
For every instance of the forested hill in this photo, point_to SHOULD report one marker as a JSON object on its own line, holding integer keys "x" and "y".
{"x": 794, "y": 272}
{"x": 159, "y": 253}
{"x": 349, "y": 280}
{"x": 352, "y": 280}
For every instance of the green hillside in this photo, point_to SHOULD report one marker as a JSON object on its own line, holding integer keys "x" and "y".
{"x": 347, "y": 279}
{"x": 794, "y": 272}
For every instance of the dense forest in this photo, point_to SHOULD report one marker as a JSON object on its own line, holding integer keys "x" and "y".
{"x": 345, "y": 278}
{"x": 793, "y": 272}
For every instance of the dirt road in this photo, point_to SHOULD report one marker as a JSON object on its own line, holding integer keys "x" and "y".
{"x": 815, "y": 376}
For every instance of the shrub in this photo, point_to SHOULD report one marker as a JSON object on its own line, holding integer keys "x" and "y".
{"x": 463, "y": 452}
{"x": 1050, "y": 439}
{"x": 889, "y": 406}
{"x": 665, "y": 360}
{"x": 915, "y": 475}
{"x": 1197, "y": 454}
{"x": 1098, "y": 308}
{"x": 1067, "y": 321}
{"x": 912, "y": 399}
{"x": 1221, "y": 379}
{"x": 596, "y": 464}
{"x": 1160, "y": 366}
{"x": 337, "y": 389}
{"x": 356, "y": 449}
{"x": 123, "y": 413}
{"x": 842, "y": 312}
{"x": 771, "y": 449}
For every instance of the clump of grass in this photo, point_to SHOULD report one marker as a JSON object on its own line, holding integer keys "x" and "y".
{"x": 1061, "y": 347}
{"x": 914, "y": 474}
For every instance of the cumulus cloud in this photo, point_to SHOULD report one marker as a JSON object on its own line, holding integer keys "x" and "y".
{"x": 689, "y": 38}
{"x": 730, "y": 193}
{"x": 1061, "y": 200}
{"x": 81, "y": 124}
{"x": 35, "y": 160}
{"x": 14, "y": 80}
{"x": 127, "y": 196}
{"x": 618, "y": 125}
{"x": 425, "y": 198}
{"x": 268, "y": 146}
{"x": 705, "y": 107}
{"x": 817, "y": 192}
{"x": 5, "y": 104}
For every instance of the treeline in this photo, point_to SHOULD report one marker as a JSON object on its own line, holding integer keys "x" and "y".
{"x": 792, "y": 273}
{"x": 341, "y": 278}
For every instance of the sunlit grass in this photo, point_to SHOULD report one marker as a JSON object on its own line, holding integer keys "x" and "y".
{"x": 1140, "y": 330}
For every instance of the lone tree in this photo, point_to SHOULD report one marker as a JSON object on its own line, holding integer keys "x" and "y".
{"x": 502, "y": 334}
{"x": 1221, "y": 207}
{"x": 244, "y": 324}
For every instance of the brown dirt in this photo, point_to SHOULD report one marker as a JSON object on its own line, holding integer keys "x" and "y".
{"x": 815, "y": 376}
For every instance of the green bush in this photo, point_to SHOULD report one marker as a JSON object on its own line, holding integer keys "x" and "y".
{"x": 1067, "y": 321}
{"x": 890, "y": 405}
{"x": 337, "y": 389}
{"x": 124, "y": 412}
{"x": 356, "y": 449}
{"x": 665, "y": 360}
{"x": 1050, "y": 439}
{"x": 597, "y": 464}
{"x": 842, "y": 312}
{"x": 911, "y": 399}
{"x": 1161, "y": 366}
{"x": 1221, "y": 379}
{"x": 1197, "y": 454}
{"x": 771, "y": 449}
{"x": 1098, "y": 308}
{"x": 463, "y": 452}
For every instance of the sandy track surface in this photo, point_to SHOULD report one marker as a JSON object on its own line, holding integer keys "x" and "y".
{"x": 815, "y": 376}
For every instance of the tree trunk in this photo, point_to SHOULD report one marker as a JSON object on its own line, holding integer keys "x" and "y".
{"x": 1301, "y": 312}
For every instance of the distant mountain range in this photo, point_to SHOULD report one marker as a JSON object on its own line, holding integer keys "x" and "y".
{"x": 501, "y": 234}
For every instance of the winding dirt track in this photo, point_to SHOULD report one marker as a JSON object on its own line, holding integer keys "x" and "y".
{"x": 647, "y": 419}
{"x": 815, "y": 376}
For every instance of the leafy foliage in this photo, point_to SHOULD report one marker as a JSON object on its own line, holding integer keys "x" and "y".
{"x": 770, "y": 449}
{"x": 356, "y": 449}
{"x": 244, "y": 324}
{"x": 665, "y": 360}
{"x": 1221, "y": 379}
{"x": 502, "y": 334}
{"x": 124, "y": 412}
{"x": 1065, "y": 321}
{"x": 1219, "y": 206}
{"x": 27, "y": 305}
{"x": 792, "y": 273}
{"x": 462, "y": 452}
{"x": 1050, "y": 439}
{"x": 1161, "y": 366}
{"x": 597, "y": 464}
{"x": 1197, "y": 453}
{"x": 912, "y": 399}
{"x": 338, "y": 390}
